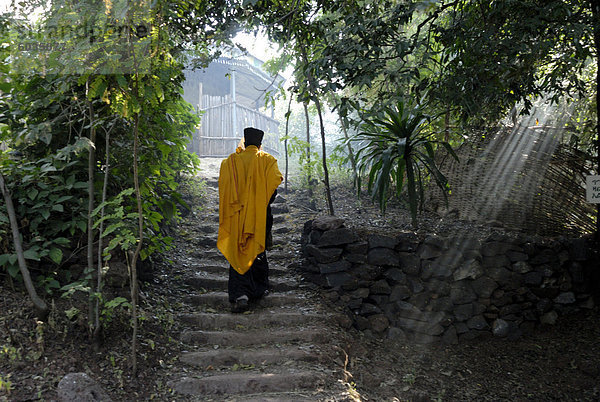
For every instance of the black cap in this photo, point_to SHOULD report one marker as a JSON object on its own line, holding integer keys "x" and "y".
{"x": 253, "y": 136}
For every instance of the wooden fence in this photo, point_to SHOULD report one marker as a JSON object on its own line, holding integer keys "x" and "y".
{"x": 218, "y": 137}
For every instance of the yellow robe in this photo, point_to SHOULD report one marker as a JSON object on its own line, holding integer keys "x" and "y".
{"x": 247, "y": 180}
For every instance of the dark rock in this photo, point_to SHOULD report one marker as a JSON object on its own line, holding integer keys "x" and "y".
{"x": 546, "y": 270}
{"x": 461, "y": 328}
{"x": 441, "y": 304}
{"x": 465, "y": 243}
{"x": 279, "y": 199}
{"x": 400, "y": 292}
{"x": 438, "y": 287}
{"x": 521, "y": 267}
{"x": 337, "y": 266}
{"x": 544, "y": 257}
{"x": 565, "y": 298}
{"x": 516, "y": 256}
{"x": 361, "y": 293}
{"x": 356, "y": 258}
{"x": 407, "y": 242}
{"x": 511, "y": 309}
{"x": 469, "y": 269}
{"x": 462, "y": 294}
{"x": 379, "y": 323}
{"x": 478, "y": 322}
{"x": 395, "y": 275}
{"x": 543, "y": 306}
{"x": 360, "y": 247}
{"x": 279, "y": 209}
{"x": 533, "y": 279}
{"x": 381, "y": 287}
{"x": 354, "y": 304}
{"x": 420, "y": 300}
{"x": 338, "y": 279}
{"x": 314, "y": 236}
{"x": 327, "y": 222}
{"x": 407, "y": 310}
{"x": 479, "y": 308}
{"x": 367, "y": 272}
{"x": 352, "y": 284}
{"x": 495, "y": 262}
{"x": 579, "y": 250}
{"x": 309, "y": 268}
{"x": 380, "y": 241}
{"x": 494, "y": 248}
{"x": 549, "y": 318}
{"x": 337, "y": 237}
{"x": 361, "y": 322}
{"x": 79, "y": 387}
{"x": 576, "y": 271}
{"x": 484, "y": 286}
{"x": 369, "y": 309}
{"x": 379, "y": 300}
{"x": 450, "y": 336}
{"x": 547, "y": 293}
{"x": 410, "y": 263}
{"x": 396, "y": 334}
{"x": 282, "y": 230}
{"x": 428, "y": 251}
{"x": 415, "y": 285}
{"x": 500, "y": 328}
{"x": 564, "y": 282}
{"x": 420, "y": 326}
{"x": 435, "y": 269}
{"x": 383, "y": 256}
{"x": 323, "y": 255}
{"x": 463, "y": 312}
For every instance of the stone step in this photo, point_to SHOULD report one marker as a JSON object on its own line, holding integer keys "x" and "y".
{"x": 229, "y": 357}
{"x": 222, "y": 268}
{"x": 298, "y": 396}
{"x": 248, "y": 383}
{"x": 221, "y": 300}
{"x": 259, "y": 319}
{"x": 256, "y": 337}
{"x": 219, "y": 282}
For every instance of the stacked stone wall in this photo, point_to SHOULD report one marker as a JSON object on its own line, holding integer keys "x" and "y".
{"x": 431, "y": 289}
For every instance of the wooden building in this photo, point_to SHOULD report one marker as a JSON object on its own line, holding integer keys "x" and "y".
{"x": 229, "y": 95}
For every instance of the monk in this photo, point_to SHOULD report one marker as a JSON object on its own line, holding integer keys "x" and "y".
{"x": 248, "y": 182}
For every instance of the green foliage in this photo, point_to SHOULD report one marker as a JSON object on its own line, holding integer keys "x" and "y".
{"x": 309, "y": 164}
{"x": 48, "y": 197}
{"x": 395, "y": 148}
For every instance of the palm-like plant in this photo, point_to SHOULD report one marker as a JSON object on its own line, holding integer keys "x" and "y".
{"x": 396, "y": 148}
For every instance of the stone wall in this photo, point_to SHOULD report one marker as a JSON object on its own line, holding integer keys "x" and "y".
{"x": 448, "y": 289}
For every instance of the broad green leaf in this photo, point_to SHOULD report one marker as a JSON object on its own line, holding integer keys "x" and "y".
{"x": 32, "y": 193}
{"x": 56, "y": 255}
{"x": 31, "y": 255}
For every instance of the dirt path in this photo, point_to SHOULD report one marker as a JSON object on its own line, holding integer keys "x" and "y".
{"x": 284, "y": 349}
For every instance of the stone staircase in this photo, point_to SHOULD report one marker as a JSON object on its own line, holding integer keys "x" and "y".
{"x": 284, "y": 349}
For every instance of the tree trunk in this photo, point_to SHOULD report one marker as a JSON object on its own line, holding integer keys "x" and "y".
{"x": 350, "y": 153}
{"x": 287, "y": 126}
{"x": 96, "y": 335}
{"x": 90, "y": 222}
{"x": 325, "y": 170}
{"x": 309, "y": 168}
{"x": 595, "y": 4}
{"x": 39, "y": 305}
{"x": 133, "y": 284}
{"x": 312, "y": 89}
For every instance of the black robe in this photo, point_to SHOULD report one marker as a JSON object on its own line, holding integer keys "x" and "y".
{"x": 255, "y": 281}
